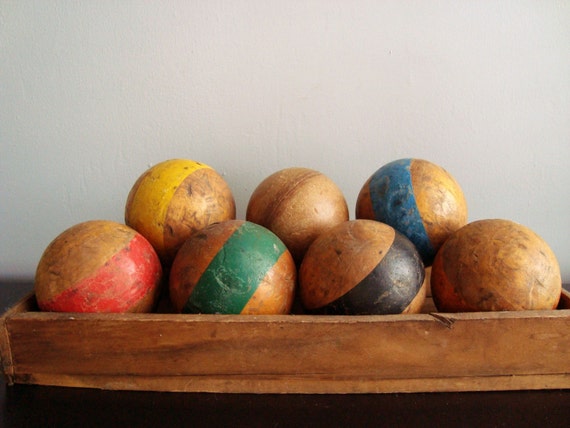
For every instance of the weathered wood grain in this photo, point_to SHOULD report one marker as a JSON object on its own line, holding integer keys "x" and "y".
{"x": 289, "y": 353}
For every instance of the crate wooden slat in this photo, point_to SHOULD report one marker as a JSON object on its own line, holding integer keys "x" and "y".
{"x": 289, "y": 353}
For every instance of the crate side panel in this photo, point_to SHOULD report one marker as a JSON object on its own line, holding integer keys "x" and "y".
{"x": 421, "y": 347}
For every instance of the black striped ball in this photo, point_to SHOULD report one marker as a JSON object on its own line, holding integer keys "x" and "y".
{"x": 362, "y": 267}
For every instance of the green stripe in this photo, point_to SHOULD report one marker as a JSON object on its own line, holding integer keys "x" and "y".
{"x": 234, "y": 274}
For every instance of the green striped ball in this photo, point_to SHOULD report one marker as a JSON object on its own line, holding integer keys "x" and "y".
{"x": 233, "y": 267}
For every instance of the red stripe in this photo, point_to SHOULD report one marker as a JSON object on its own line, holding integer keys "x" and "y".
{"x": 115, "y": 287}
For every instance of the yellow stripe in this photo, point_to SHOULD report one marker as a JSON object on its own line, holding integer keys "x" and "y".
{"x": 152, "y": 199}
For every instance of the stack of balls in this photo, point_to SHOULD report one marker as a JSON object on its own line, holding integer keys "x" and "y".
{"x": 297, "y": 250}
{"x": 487, "y": 265}
{"x": 376, "y": 263}
{"x": 104, "y": 266}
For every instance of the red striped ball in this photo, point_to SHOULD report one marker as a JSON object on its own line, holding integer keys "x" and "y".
{"x": 98, "y": 266}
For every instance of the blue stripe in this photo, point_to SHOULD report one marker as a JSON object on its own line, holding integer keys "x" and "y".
{"x": 394, "y": 203}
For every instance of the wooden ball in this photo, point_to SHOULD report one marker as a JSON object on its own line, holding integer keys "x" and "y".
{"x": 362, "y": 267}
{"x": 98, "y": 266}
{"x": 419, "y": 199}
{"x": 233, "y": 267}
{"x": 297, "y": 204}
{"x": 495, "y": 265}
{"x": 174, "y": 199}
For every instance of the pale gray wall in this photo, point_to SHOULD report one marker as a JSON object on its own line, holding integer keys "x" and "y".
{"x": 94, "y": 92}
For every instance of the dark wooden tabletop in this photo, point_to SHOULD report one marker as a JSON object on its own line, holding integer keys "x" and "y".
{"x": 41, "y": 406}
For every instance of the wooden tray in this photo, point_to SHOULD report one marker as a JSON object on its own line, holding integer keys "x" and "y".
{"x": 289, "y": 353}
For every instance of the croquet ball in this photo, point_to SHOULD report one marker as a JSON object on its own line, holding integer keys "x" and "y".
{"x": 233, "y": 267}
{"x": 174, "y": 199}
{"x": 419, "y": 199}
{"x": 362, "y": 267}
{"x": 495, "y": 265}
{"x": 98, "y": 266}
{"x": 297, "y": 204}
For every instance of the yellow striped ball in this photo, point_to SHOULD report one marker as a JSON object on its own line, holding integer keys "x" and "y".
{"x": 175, "y": 198}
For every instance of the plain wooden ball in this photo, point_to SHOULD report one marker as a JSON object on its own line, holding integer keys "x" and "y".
{"x": 495, "y": 265}
{"x": 297, "y": 204}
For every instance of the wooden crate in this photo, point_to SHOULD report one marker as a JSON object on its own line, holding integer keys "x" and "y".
{"x": 289, "y": 353}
